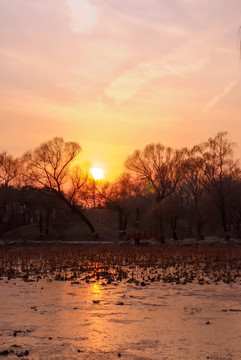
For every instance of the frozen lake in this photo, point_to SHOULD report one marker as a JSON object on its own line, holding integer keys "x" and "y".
{"x": 59, "y": 320}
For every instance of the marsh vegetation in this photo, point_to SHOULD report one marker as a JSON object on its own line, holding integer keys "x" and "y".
{"x": 108, "y": 264}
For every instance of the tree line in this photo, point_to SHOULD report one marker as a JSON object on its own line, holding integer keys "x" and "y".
{"x": 179, "y": 193}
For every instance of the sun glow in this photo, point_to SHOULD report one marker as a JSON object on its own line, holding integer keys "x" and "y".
{"x": 97, "y": 173}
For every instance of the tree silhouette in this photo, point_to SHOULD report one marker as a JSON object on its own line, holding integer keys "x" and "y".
{"x": 9, "y": 169}
{"x": 9, "y": 172}
{"x": 49, "y": 167}
{"x": 119, "y": 196}
{"x": 161, "y": 170}
{"x": 214, "y": 158}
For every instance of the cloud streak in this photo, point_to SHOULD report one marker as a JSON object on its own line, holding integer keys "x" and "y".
{"x": 127, "y": 85}
{"x": 219, "y": 96}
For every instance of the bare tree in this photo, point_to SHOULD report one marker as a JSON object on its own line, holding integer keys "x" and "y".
{"x": 214, "y": 159}
{"x": 9, "y": 169}
{"x": 193, "y": 191}
{"x": 235, "y": 206}
{"x": 119, "y": 196}
{"x": 49, "y": 167}
{"x": 161, "y": 169}
{"x": 90, "y": 195}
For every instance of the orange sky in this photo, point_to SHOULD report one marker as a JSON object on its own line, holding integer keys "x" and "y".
{"x": 117, "y": 75}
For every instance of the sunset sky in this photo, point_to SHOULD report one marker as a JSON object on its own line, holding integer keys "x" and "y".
{"x": 116, "y": 75}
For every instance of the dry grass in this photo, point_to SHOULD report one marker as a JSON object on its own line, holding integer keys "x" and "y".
{"x": 140, "y": 265}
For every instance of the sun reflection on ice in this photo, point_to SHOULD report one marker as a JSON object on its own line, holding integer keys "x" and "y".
{"x": 97, "y": 318}
{"x": 95, "y": 290}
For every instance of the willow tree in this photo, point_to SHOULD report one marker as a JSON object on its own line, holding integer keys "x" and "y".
{"x": 49, "y": 167}
{"x": 214, "y": 159}
{"x": 160, "y": 168}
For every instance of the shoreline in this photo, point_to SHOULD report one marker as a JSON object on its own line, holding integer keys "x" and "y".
{"x": 209, "y": 241}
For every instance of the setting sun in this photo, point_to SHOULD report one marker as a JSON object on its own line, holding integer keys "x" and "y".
{"x": 97, "y": 173}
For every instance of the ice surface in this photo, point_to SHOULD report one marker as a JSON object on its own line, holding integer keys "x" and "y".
{"x": 60, "y": 320}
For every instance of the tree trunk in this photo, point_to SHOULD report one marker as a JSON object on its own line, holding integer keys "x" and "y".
{"x": 174, "y": 228}
{"x": 161, "y": 230}
{"x": 47, "y": 221}
{"x": 224, "y": 220}
{"x": 120, "y": 216}
{"x": 137, "y": 217}
{"x": 199, "y": 224}
{"x": 238, "y": 229}
{"x": 125, "y": 224}
{"x": 41, "y": 226}
{"x": 76, "y": 210}
{"x": 85, "y": 219}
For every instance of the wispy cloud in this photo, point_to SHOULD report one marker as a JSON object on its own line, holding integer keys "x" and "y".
{"x": 219, "y": 96}
{"x": 84, "y": 15}
{"x": 129, "y": 83}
